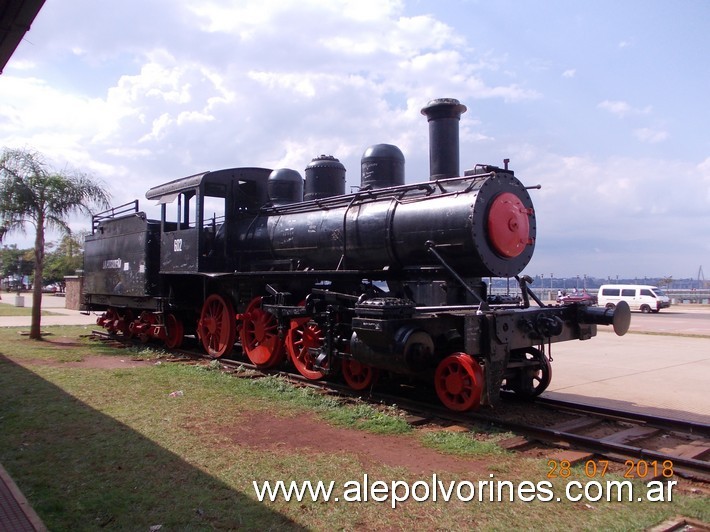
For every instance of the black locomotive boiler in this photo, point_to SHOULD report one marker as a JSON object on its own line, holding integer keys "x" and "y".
{"x": 385, "y": 280}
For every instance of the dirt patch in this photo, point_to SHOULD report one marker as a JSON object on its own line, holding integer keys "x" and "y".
{"x": 104, "y": 362}
{"x": 91, "y": 361}
{"x": 306, "y": 434}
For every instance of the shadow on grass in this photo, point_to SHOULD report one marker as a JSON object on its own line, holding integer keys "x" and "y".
{"x": 83, "y": 470}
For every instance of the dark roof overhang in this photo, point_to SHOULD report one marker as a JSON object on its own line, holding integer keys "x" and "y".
{"x": 16, "y": 17}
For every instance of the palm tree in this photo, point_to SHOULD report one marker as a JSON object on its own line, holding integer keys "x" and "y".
{"x": 30, "y": 192}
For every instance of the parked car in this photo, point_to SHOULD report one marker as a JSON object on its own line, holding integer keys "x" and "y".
{"x": 583, "y": 297}
{"x": 645, "y": 298}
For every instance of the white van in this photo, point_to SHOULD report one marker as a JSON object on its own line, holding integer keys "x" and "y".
{"x": 641, "y": 297}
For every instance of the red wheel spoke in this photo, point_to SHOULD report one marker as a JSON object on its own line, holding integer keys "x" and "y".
{"x": 217, "y": 327}
{"x": 259, "y": 336}
{"x": 302, "y": 336}
{"x": 358, "y": 376}
{"x": 108, "y": 320}
{"x": 459, "y": 382}
{"x": 128, "y": 326}
{"x": 175, "y": 332}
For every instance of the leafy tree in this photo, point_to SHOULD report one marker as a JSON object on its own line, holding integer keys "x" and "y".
{"x": 15, "y": 263}
{"x": 9, "y": 260}
{"x": 65, "y": 259}
{"x": 30, "y": 192}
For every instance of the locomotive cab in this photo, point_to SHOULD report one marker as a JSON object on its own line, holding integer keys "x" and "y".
{"x": 197, "y": 212}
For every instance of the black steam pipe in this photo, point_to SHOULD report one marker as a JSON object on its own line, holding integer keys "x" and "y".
{"x": 443, "y": 115}
{"x": 619, "y": 317}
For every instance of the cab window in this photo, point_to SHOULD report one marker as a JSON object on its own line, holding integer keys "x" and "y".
{"x": 213, "y": 210}
{"x": 181, "y": 214}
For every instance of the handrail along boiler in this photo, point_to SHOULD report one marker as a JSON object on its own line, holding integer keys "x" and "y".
{"x": 387, "y": 281}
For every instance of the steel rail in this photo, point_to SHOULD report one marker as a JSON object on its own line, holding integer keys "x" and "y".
{"x": 668, "y": 423}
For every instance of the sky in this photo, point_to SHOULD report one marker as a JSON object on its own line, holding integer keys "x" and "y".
{"x": 604, "y": 104}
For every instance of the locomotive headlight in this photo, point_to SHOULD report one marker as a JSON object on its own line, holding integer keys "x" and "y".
{"x": 509, "y": 225}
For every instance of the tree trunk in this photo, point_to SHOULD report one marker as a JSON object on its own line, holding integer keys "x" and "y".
{"x": 35, "y": 327}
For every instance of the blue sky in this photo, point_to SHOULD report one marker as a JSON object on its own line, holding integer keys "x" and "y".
{"x": 602, "y": 103}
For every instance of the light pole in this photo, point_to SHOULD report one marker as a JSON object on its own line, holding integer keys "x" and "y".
{"x": 22, "y": 277}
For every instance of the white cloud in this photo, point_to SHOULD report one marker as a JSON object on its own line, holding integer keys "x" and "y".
{"x": 20, "y": 65}
{"x": 704, "y": 168}
{"x": 622, "y": 108}
{"x": 652, "y": 136}
{"x": 296, "y": 83}
{"x": 46, "y": 118}
{"x": 569, "y": 73}
{"x": 623, "y": 204}
{"x": 247, "y": 19}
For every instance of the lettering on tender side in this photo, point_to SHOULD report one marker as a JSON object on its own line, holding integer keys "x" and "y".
{"x": 113, "y": 264}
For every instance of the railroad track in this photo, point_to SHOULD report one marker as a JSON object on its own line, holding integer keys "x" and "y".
{"x": 624, "y": 436}
{"x": 618, "y": 436}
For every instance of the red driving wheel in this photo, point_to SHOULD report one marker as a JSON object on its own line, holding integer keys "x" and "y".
{"x": 459, "y": 382}
{"x": 108, "y": 320}
{"x": 259, "y": 336}
{"x": 217, "y": 327}
{"x": 302, "y": 336}
{"x": 174, "y": 331}
{"x": 126, "y": 328}
{"x": 358, "y": 376}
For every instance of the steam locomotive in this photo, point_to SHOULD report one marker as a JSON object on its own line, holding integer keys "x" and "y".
{"x": 388, "y": 279}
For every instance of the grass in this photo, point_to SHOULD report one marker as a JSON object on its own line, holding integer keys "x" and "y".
{"x": 110, "y": 448}
{"x": 360, "y": 415}
{"x": 461, "y": 443}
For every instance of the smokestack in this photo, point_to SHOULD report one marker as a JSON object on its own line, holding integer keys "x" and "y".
{"x": 443, "y": 115}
